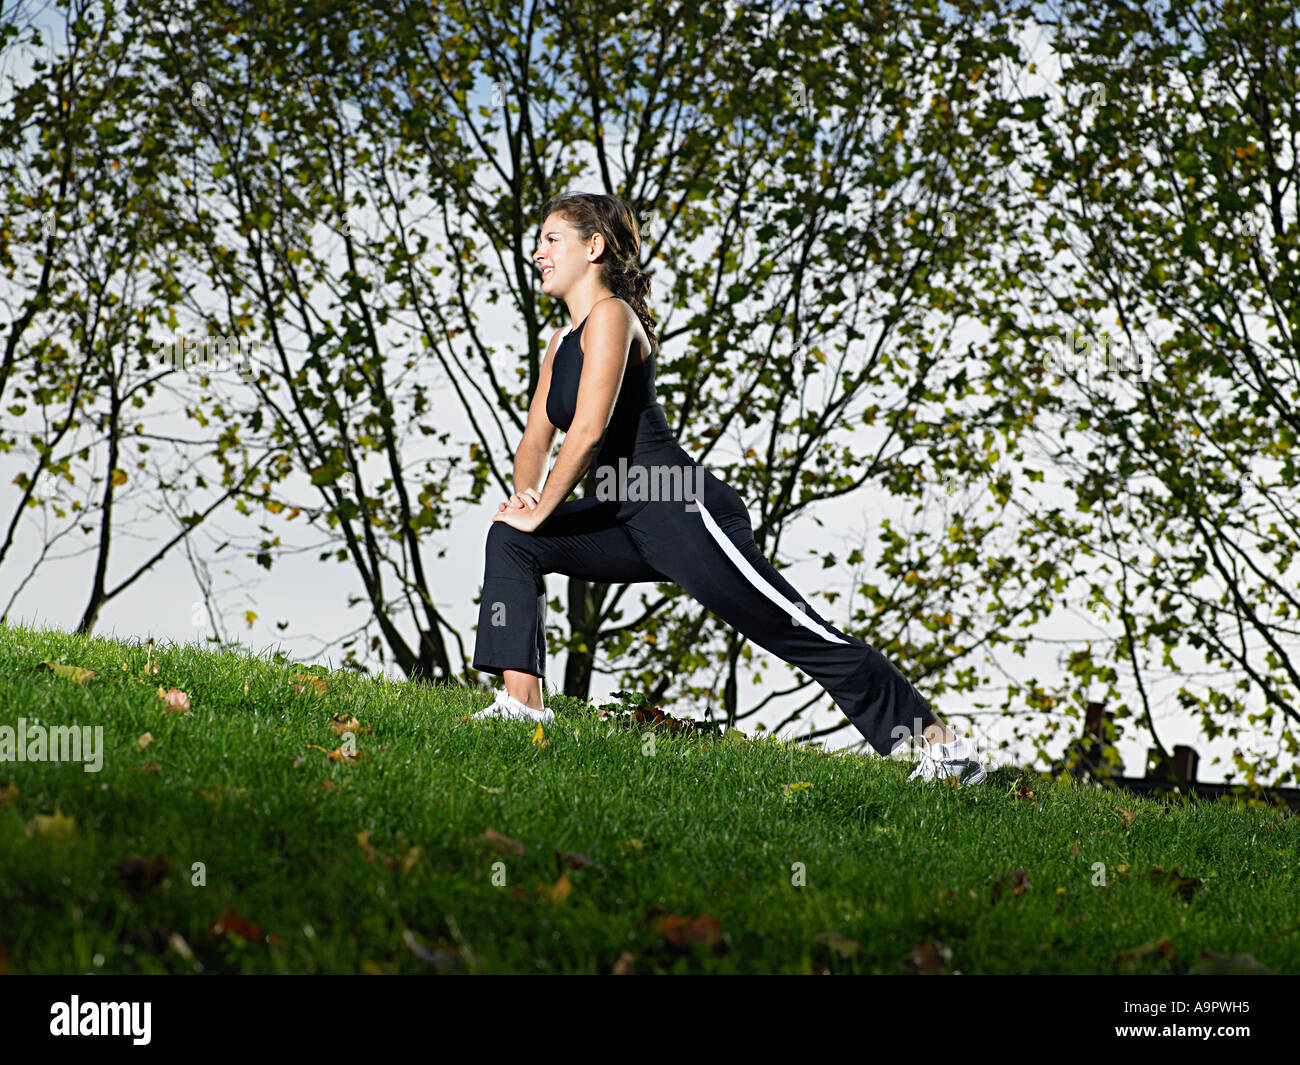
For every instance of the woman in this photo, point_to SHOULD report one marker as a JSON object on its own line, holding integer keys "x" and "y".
{"x": 657, "y": 514}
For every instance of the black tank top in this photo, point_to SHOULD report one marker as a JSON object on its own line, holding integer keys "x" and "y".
{"x": 638, "y": 429}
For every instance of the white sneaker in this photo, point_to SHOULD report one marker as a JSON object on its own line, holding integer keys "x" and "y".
{"x": 958, "y": 758}
{"x": 507, "y": 707}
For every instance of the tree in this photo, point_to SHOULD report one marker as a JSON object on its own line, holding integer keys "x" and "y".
{"x": 1167, "y": 252}
{"x": 79, "y": 378}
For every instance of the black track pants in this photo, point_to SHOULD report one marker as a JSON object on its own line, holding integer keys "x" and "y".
{"x": 707, "y": 547}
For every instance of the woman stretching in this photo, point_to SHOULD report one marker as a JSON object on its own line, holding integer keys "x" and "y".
{"x": 657, "y": 515}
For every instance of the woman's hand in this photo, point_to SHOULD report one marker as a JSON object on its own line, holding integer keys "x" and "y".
{"x": 521, "y": 511}
{"x": 530, "y": 498}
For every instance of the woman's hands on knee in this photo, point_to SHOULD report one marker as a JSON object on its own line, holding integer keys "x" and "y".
{"x": 530, "y": 497}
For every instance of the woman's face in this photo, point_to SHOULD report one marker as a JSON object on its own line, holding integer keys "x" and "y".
{"x": 560, "y": 257}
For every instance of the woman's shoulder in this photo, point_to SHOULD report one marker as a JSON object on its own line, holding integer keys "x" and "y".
{"x": 612, "y": 305}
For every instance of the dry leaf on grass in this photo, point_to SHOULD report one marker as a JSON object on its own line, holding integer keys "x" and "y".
{"x": 232, "y": 922}
{"x": 930, "y": 956}
{"x": 177, "y": 701}
{"x": 443, "y": 956}
{"x": 1129, "y": 958}
{"x": 73, "y": 673}
{"x": 141, "y": 874}
{"x": 845, "y": 948}
{"x": 1019, "y": 885}
{"x": 560, "y": 890}
{"x": 505, "y": 844}
{"x": 680, "y": 932}
{"x": 1185, "y": 885}
{"x": 303, "y": 681}
{"x": 57, "y": 825}
{"x": 574, "y": 860}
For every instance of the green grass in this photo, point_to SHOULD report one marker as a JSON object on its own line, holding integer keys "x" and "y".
{"x": 897, "y": 875}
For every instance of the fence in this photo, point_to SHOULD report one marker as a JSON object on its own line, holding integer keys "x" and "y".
{"x": 1177, "y": 775}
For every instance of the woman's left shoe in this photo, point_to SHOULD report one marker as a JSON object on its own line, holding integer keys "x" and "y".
{"x": 508, "y": 707}
{"x": 957, "y": 759}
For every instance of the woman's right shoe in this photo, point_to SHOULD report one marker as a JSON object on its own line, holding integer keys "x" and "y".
{"x": 507, "y": 707}
{"x": 958, "y": 759}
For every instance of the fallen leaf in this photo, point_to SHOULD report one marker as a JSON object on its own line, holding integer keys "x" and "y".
{"x": 792, "y": 789}
{"x": 1129, "y": 958}
{"x": 929, "y": 956}
{"x": 73, "y": 673}
{"x": 1185, "y": 885}
{"x": 140, "y": 874}
{"x": 144, "y": 740}
{"x": 502, "y": 843}
{"x": 222, "y": 791}
{"x": 148, "y": 767}
{"x": 440, "y": 958}
{"x": 231, "y": 922}
{"x": 1019, "y": 885}
{"x": 560, "y": 890}
{"x": 1128, "y": 815}
{"x": 372, "y": 854}
{"x": 341, "y": 723}
{"x": 177, "y": 701}
{"x": 346, "y": 756}
{"x": 845, "y": 948}
{"x": 302, "y": 681}
{"x": 57, "y": 825}
{"x": 177, "y": 943}
{"x": 680, "y": 932}
{"x": 539, "y": 737}
{"x": 623, "y": 967}
{"x": 574, "y": 860}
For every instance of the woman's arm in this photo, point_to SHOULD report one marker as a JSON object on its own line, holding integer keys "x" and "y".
{"x": 606, "y": 340}
{"x": 535, "y": 445}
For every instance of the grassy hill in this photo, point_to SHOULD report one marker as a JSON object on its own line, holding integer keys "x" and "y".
{"x": 240, "y": 834}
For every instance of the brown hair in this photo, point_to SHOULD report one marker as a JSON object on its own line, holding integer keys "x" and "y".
{"x": 620, "y": 269}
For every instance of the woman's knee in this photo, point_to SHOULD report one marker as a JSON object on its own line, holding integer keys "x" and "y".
{"x": 506, "y": 544}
